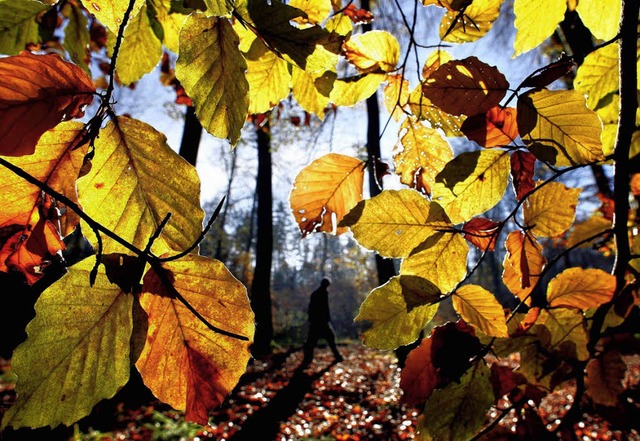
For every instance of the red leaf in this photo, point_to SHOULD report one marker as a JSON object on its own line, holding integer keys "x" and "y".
{"x": 419, "y": 376}
{"x": 482, "y": 233}
{"x": 522, "y": 167}
{"x": 497, "y": 127}
{"x": 358, "y": 16}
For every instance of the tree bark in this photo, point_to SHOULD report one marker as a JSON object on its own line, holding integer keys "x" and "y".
{"x": 190, "y": 136}
{"x": 261, "y": 285}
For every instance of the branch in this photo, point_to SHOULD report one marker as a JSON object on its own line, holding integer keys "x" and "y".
{"x": 116, "y": 50}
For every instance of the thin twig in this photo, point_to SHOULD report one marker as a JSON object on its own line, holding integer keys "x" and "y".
{"x": 116, "y": 50}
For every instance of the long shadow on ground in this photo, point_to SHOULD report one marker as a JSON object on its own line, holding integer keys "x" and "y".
{"x": 264, "y": 424}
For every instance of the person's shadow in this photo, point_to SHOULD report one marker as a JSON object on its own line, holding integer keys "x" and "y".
{"x": 264, "y": 424}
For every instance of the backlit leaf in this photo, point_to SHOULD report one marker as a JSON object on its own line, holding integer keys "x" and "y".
{"x": 420, "y": 155}
{"x": 550, "y": 211}
{"x": 324, "y": 192}
{"x": 396, "y": 95}
{"x": 348, "y": 92}
{"x": 496, "y": 128}
{"x": 140, "y": 51}
{"x": 480, "y": 309}
{"x": 36, "y": 93}
{"x": 18, "y": 25}
{"x": 474, "y": 24}
{"x": 586, "y": 229}
{"x": 311, "y": 92}
{"x": 598, "y": 75}
{"x": 434, "y": 61}
{"x": 522, "y": 170}
{"x": 535, "y": 21}
{"x": 460, "y": 407}
{"x": 605, "y": 376}
{"x": 482, "y": 233}
{"x": 472, "y": 183}
{"x": 218, "y": 8}
{"x": 419, "y": 377}
{"x": 373, "y": 51}
{"x": 110, "y": 12}
{"x": 317, "y": 10}
{"x": 86, "y": 333}
{"x": 424, "y": 109}
{"x": 441, "y": 259}
{"x": 183, "y": 362}
{"x": 558, "y": 127}
{"x": 170, "y": 22}
{"x": 137, "y": 175}
{"x": 395, "y": 222}
{"x": 269, "y": 81}
{"x": 523, "y": 264}
{"x": 465, "y": 87}
{"x": 564, "y": 332}
{"x": 76, "y": 37}
{"x": 211, "y": 70}
{"x": 602, "y": 17}
{"x": 393, "y": 322}
{"x": 581, "y": 288}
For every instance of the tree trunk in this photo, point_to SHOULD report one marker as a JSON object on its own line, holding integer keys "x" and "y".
{"x": 190, "y": 136}
{"x": 261, "y": 285}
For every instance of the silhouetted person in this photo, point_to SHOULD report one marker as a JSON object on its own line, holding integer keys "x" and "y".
{"x": 320, "y": 324}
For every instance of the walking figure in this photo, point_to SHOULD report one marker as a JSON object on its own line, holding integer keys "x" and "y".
{"x": 320, "y": 324}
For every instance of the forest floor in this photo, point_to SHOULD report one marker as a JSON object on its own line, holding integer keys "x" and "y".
{"x": 356, "y": 399}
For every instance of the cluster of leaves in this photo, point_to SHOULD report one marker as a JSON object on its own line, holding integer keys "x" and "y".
{"x": 558, "y": 325}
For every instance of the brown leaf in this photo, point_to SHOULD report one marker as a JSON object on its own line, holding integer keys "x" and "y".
{"x": 481, "y": 232}
{"x": 419, "y": 377}
{"x": 604, "y": 378}
{"x": 497, "y": 127}
{"x": 36, "y": 93}
{"x": 522, "y": 168}
{"x": 523, "y": 264}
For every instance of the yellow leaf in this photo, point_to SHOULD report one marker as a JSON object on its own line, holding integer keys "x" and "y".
{"x": 373, "y": 51}
{"x": 348, "y": 92}
{"x": 558, "y": 128}
{"x": 602, "y": 17}
{"x": 441, "y": 259}
{"x": 137, "y": 175}
{"x": 311, "y": 92}
{"x": 421, "y": 153}
{"x": 86, "y": 332}
{"x": 341, "y": 24}
{"x": 396, "y": 95}
{"x": 581, "y": 288}
{"x": 393, "y": 322}
{"x": 185, "y": 363}
{"x": 564, "y": 332}
{"x": 395, "y": 222}
{"x": 480, "y": 309}
{"x": 76, "y": 37}
{"x": 535, "y": 21}
{"x": 317, "y": 10}
{"x": 465, "y": 87}
{"x": 140, "y": 51}
{"x": 436, "y": 59}
{"x": 212, "y": 71}
{"x": 472, "y": 183}
{"x": 598, "y": 75}
{"x": 586, "y": 229}
{"x": 523, "y": 264}
{"x": 324, "y": 191}
{"x": 423, "y": 109}
{"x": 474, "y": 24}
{"x": 171, "y": 22}
{"x": 269, "y": 81}
{"x": 218, "y": 8}
{"x": 18, "y": 25}
{"x": 110, "y": 12}
{"x": 550, "y": 211}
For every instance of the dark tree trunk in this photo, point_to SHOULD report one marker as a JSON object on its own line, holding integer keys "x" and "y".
{"x": 191, "y": 136}
{"x": 261, "y": 286}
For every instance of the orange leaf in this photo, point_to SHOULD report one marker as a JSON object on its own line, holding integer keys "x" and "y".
{"x": 581, "y": 288}
{"x": 522, "y": 167}
{"x": 523, "y": 264}
{"x": 465, "y": 87}
{"x": 356, "y": 15}
{"x": 529, "y": 320}
{"x": 36, "y": 93}
{"x": 497, "y": 127}
{"x": 635, "y": 184}
{"x": 419, "y": 377}
{"x": 396, "y": 95}
{"x": 481, "y": 232}
{"x": 329, "y": 186}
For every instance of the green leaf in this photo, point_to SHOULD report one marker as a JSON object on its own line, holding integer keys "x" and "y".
{"x": 76, "y": 353}
{"x": 598, "y": 75}
{"x": 212, "y": 71}
{"x": 218, "y": 8}
{"x": 558, "y": 128}
{"x": 457, "y": 411}
{"x": 395, "y": 314}
{"x": 18, "y": 25}
{"x": 136, "y": 179}
{"x": 535, "y": 21}
{"x": 76, "y": 37}
{"x": 472, "y": 183}
{"x": 395, "y": 222}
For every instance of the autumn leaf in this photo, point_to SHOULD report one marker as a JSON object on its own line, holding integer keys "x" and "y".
{"x": 317, "y": 10}
{"x": 523, "y": 264}
{"x": 522, "y": 170}
{"x": 111, "y": 12}
{"x": 137, "y": 175}
{"x": 581, "y": 288}
{"x": 423, "y": 109}
{"x": 184, "y": 362}
{"x": 480, "y": 309}
{"x": 496, "y": 128}
{"x": 465, "y": 87}
{"x": 564, "y": 332}
{"x": 393, "y": 322}
{"x": 600, "y": 16}
{"x": 558, "y": 128}
{"x": 395, "y": 222}
{"x": 86, "y": 332}
{"x": 481, "y": 232}
{"x": 598, "y": 75}
{"x": 324, "y": 192}
{"x": 349, "y": 91}
{"x": 605, "y": 376}
{"x": 476, "y": 21}
{"x": 588, "y": 228}
{"x": 551, "y": 209}
{"x": 36, "y": 93}
{"x": 535, "y": 21}
{"x": 396, "y": 95}
{"x": 372, "y": 51}
{"x": 76, "y": 36}
{"x": 419, "y": 377}
{"x": 420, "y": 155}
{"x": 312, "y": 92}
{"x": 18, "y": 25}
{"x": 166, "y": 22}
{"x": 472, "y": 183}
{"x": 441, "y": 259}
{"x": 211, "y": 69}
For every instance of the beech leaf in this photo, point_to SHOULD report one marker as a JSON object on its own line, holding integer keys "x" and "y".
{"x": 474, "y": 24}
{"x": 605, "y": 376}
{"x": 465, "y": 87}
{"x": 372, "y": 51}
{"x": 348, "y": 92}
{"x": 482, "y": 233}
{"x": 18, "y": 25}
{"x": 551, "y": 209}
{"x": 522, "y": 171}
{"x": 396, "y": 95}
{"x": 183, "y": 362}
{"x": 581, "y": 288}
{"x": 496, "y": 128}
{"x": 600, "y": 16}
{"x": 269, "y": 80}
{"x": 563, "y": 331}
{"x": 424, "y": 109}
{"x": 598, "y": 75}
{"x": 324, "y": 192}
{"x": 523, "y": 264}
{"x": 110, "y": 12}
{"x": 535, "y": 21}
{"x": 36, "y": 93}
{"x": 480, "y": 309}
